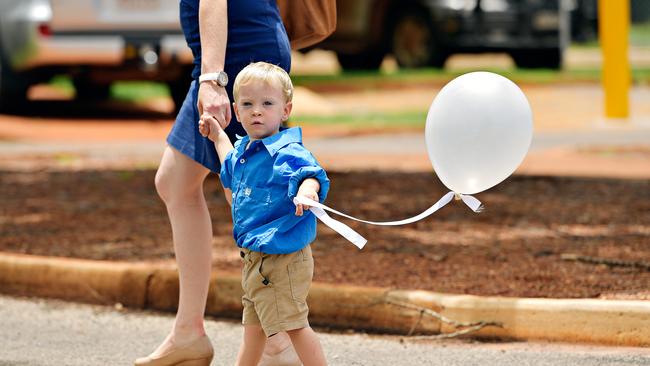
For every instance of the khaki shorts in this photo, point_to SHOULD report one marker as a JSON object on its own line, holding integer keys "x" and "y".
{"x": 275, "y": 289}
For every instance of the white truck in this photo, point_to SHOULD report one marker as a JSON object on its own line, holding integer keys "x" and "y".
{"x": 94, "y": 42}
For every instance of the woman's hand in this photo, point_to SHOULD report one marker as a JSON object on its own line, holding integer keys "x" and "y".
{"x": 213, "y": 101}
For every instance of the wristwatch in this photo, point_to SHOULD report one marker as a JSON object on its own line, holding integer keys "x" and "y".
{"x": 220, "y": 77}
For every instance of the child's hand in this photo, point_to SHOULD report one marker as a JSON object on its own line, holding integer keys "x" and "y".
{"x": 305, "y": 191}
{"x": 209, "y": 127}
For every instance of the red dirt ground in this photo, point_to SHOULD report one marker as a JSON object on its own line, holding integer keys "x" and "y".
{"x": 512, "y": 249}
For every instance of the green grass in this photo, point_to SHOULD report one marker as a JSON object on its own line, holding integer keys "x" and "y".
{"x": 407, "y": 119}
{"x": 594, "y": 43}
{"x": 640, "y": 34}
{"x": 126, "y": 175}
{"x": 64, "y": 83}
{"x": 368, "y": 80}
{"x": 66, "y": 158}
{"x": 136, "y": 91}
{"x": 639, "y": 37}
{"x": 130, "y": 91}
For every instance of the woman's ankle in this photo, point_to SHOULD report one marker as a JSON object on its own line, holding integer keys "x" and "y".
{"x": 182, "y": 334}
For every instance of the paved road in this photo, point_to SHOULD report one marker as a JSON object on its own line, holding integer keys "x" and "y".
{"x": 407, "y": 143}
{"x": 54, "y": 333}
{"x": 413, "y": 143}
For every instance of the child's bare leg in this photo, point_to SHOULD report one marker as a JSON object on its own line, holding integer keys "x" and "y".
{"x": 306, "y": 343}
{"x": 279, "y": 351}
{"x": 277, "y": 343}
{"x": 252, "y": 347}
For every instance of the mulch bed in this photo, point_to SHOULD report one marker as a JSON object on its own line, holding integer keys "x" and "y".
{"x": 514, "y": 248}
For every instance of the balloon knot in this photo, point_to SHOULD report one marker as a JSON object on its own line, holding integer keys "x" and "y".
{"x": 457, "y": 196}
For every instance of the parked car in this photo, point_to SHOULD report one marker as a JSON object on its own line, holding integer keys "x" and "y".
{"x": 94, "y": 42}
{"x": 584, "y": 20}
{"x": 421, "y": 33}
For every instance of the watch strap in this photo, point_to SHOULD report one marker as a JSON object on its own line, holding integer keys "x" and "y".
{"x": 211, "y": 76}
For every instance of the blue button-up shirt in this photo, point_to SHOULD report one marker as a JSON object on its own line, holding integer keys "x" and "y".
{"x": 264, "y": 179}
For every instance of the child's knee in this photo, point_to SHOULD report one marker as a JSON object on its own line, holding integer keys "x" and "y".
{"x": 299, "y": 331}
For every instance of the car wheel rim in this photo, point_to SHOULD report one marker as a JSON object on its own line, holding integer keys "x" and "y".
{"x": 411, "y": 42}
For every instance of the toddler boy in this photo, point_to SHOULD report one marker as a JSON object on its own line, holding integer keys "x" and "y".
{"x": 261, "y": 175}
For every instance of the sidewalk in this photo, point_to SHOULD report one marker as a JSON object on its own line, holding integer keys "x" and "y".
{"x": 614, "y": 153}
{"x": 38, "y": 332}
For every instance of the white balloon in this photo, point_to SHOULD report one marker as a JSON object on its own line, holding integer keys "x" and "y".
{"x": 479, "y": 128}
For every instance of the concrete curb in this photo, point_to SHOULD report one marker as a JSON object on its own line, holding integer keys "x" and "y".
{"x": 155, "y": 286}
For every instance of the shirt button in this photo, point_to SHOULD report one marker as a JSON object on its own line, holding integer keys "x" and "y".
{"x": 242, "y": 160}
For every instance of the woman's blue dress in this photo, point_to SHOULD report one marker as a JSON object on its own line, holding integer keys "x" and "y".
{"x": 255, "y": 33}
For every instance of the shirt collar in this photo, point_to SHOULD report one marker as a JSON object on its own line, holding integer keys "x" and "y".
{"x": 281, "y": 139}
{"x": 274, "y": 142}
{"x": 240, "y": 144}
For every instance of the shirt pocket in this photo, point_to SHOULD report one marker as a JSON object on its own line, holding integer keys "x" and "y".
{"x": 253, "y": 206}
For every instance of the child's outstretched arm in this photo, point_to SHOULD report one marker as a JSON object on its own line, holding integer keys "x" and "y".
{"x": 308, "y": 188}
{"x": 210, "y": 128}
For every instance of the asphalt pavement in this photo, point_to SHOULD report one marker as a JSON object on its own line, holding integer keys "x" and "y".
{"x": 149, "y": 152}
{"x": 414, "y": 143}
{"x": 55, "y": 333}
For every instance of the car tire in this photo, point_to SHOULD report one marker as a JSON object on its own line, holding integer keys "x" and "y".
{"x": 538, "y": 59}
{"x": 414, "y": 42}
{"x": 89, "y": 91}
{"x": 370, "y": 60}
{"x": 178, "y": 90}
{"x": 13, "y": 90}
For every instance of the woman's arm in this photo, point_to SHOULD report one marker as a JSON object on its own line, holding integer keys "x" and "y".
{"x": 213, "y": 28}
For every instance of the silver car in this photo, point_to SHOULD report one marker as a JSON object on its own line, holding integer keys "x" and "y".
{"x": 95, "y": 42}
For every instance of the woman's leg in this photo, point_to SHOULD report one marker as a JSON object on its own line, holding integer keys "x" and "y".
{"x": 179, "y": 182}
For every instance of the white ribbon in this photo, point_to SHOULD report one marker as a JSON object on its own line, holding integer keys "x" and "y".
{"x": 355, "y": 238}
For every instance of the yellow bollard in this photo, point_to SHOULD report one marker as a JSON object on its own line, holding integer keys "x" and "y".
{"x": 614, "y": 29}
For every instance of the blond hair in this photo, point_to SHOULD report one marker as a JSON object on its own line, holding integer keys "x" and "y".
{"x": 265, "y": 72}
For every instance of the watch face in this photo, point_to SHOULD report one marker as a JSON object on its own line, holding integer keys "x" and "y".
{"x": 222, "y": 79}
